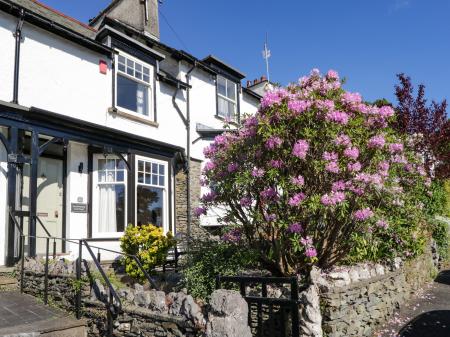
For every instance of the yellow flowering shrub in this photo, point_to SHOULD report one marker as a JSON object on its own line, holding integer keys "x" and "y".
{"x": 149, "y": 244}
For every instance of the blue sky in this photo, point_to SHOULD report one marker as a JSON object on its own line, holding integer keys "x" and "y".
{"x": 367, "y": 41}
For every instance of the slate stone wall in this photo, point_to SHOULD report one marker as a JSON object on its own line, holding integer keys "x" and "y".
{"x": 181, "y": 201}
{"x": 356, "y": 301}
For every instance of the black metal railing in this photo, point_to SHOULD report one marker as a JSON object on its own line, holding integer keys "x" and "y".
{"x": 268, "y": 316}
{"x": 113, "y": 304}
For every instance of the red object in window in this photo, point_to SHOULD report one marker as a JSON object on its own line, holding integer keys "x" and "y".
{"x": 103, "y": 67}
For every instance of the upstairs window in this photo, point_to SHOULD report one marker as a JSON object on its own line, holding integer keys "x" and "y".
{"x": 133, "y": 86}
{"x": 226, "y": 99}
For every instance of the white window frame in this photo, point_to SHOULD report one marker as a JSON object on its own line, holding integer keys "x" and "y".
{"x": 149, "y": 85}
{"x": 165, "y": 218}
{"x": 95, "y": 198}
{"x": 235, "y": 101}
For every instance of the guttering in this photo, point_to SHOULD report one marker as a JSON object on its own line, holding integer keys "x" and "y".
{"x": 54, "y": 27}
{"x": 18, "y": 37}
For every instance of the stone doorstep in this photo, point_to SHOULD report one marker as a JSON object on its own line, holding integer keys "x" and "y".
{"x": 5, "y": 281}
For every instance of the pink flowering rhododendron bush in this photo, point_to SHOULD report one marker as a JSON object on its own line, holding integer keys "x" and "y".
{"x": 317, "y": 177}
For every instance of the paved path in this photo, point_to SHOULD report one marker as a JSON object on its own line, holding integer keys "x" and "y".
{"x": 426, "y": 315}
{"x": 20, "y": 313}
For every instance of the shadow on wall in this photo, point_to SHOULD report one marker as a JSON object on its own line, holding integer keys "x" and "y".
{"x": 433, "y": 323}
{"x": 444, "y": 278}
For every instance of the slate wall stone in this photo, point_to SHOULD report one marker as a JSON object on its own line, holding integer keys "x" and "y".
{"x": 181, "y": 202}
{"x": 357, "y": 300}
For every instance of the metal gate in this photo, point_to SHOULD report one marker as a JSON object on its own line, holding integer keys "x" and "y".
{"x": 268, "y": 316}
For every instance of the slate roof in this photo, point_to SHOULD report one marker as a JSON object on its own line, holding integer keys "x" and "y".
{"x": 55, "y": 16}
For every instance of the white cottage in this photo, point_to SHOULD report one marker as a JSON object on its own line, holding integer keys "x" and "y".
{"x": 97, "y": 122}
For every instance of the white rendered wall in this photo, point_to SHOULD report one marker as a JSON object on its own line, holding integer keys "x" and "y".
{"x": 77, "y": 187}
{"x": 3, "y": 200}
{"x": 7, "y": 43}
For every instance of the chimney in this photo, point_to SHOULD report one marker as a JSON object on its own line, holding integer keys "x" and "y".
{"x": 249, "y": 84}
{"x": 263, "y": 78}
{"x": 139, "y": 14}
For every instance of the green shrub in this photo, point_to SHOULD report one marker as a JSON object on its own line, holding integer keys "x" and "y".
{"x": 441, "y": 236}
{"x": 208, "y": 259}
{"x": 149, "y": 244}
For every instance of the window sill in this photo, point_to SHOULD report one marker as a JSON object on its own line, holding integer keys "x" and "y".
{"x": 133, "y": 116}
{"x": 234, "y": 123}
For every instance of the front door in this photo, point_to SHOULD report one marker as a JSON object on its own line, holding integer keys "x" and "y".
{"x": 49, "y": 201}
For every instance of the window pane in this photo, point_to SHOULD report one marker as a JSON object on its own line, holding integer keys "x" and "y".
{"x": 140, "y": 177}
{"x": 231, "y": 111}
{"x": 154, "y": 168}
{"x": 121, "y": 67}
{"x": 221, "y": 86}
{"x": 161, "y": 181}
{"x": 147, "y": 178}
{"x": 161, "y": 169}
{"x": 231, "y": 90}
{"x": 121, "y": 59}
{"x": 120, "y": 164}
{"x": 148, "y": 167}
{"x": 110, "y": 164}
{"x": 138, "y": 73}
{"x": 120, "y": 176}
{"x": 154, "y": 180}
{"x": 111, "y": 215}
{"x": 222, "y": 107}
{"x": 110, "y": 178}
{"x": 149, "y": 205}
{"x": 140, "y": 165}
{"x": 101, "y": 164}
{"x": 102, "y": 176}
{"x": 132, "y": 95}
{"x": 130, "y": 67}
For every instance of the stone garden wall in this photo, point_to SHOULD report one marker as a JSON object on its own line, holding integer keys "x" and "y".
{"x": 144, "y": 312}
{"x": 356, "y": 300}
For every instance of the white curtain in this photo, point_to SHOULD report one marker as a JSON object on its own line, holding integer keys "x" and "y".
{"x": 141, "y": 99}
{"x": 107, "y": 221}
{"x": 223, "y": 108}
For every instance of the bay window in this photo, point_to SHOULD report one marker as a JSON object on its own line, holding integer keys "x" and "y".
{"x": 110, "y": 195}
{"x": 151, "y": 192}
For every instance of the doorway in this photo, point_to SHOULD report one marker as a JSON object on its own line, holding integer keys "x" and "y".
{"x": 50, "y": 193}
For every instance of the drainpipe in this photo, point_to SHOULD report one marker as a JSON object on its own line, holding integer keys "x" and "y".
{"x": 18, "y": 36}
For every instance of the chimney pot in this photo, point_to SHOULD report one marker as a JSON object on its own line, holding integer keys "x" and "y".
{"x": 263, "y": 78}
{"x": 255, "y": 81}
{"x": 249, "y": 84}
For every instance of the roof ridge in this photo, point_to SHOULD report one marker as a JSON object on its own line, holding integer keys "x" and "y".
{"x": 64, "y": 15}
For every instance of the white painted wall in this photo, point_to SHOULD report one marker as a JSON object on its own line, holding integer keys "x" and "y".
{"x": 7, "y": 26}
{"x": 3, "y": 200}
{"x": 77, "y": 187}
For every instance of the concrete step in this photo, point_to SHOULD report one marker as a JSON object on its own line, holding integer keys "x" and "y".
{"x": 22, "y": 315}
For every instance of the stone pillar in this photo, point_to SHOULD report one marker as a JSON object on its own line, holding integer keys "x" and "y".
{"x": 310, "y": 314}
{"x": 228, "y": 316}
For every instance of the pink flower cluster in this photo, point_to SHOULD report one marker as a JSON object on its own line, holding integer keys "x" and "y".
{"x": 351, "y": 152}
{"x": 273, "y": 97}
{"x": 332, "y": 74}
{"x": 269, "y": 194}
{"x": 232, "y": 167}
{"x": 300, "y": 149}
{"x": 299, "y": 180}
{"x": 332, "y": 198}
{"x": 310, "y": 251}
{"x": 297, "y": 199}
{"x": 332, "y": 167}
{"x": 354, "y": 167}
{"x": 363, "y": 214}
{"x": 245, "y": 202}
{"x": 276, "y": 163}
{"x": 295, "y": 228}
{"x": 200, "y": 211}
{"x": 343, "y": 140}
{"x": 396, "y": 148}
{"x": 377, "y": 141}
{"x": 258, "y": 172}
{"x": 330, "y": 156}
{"x": 382, "y": 224}
{"x": 233, "y": 236}
{"x": 338, "y": 117}
{"x": 338, "y": 186}
{"x": 273, "y": 142}
{"x": 299, "y": 106}
{"x": 351, "y": 98}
